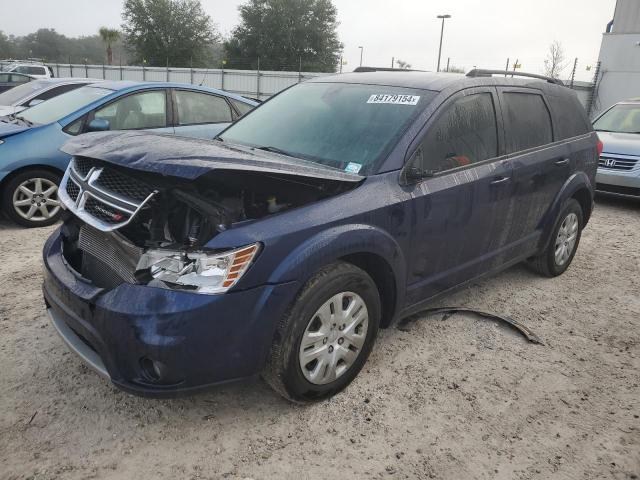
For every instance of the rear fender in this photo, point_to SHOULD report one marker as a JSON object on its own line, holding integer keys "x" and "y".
{"x": 576, "y": 182}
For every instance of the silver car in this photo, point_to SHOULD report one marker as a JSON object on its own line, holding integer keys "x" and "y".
{"x": 619, "y": 166}
{"x": 29, "y": 94}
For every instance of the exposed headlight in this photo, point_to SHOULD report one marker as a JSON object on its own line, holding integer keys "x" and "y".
{"x": 1, "y": 142}
{"x": 200, "y": 272}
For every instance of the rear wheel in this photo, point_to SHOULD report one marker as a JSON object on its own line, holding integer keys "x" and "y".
{"x": 31, "y": 199}
{"x": 564, "y": 242}
{"x": 325, "y": 339}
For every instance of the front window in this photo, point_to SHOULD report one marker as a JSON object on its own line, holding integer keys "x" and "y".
{"x": 61, "y": 106}
{"x": 621, "y": 119}
{"x": 136, "y": 111}
{"x": 340, "y": 125}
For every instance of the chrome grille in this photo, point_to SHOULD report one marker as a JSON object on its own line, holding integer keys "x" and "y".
{"x": 102, "y": 196}
{"x": 115, "y": 182}
{"x": 617, "y": 163}
{"x": 83, "y": 165}
{"x": 73, "y": 190}
{"x": 103, "y": 212}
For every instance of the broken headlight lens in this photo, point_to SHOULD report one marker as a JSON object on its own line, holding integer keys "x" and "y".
{"x": 200, "y": 272}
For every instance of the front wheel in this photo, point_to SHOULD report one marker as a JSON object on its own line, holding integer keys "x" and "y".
{"x": 564, "y": 242}
{"x": 327, "y": 335}
{"x": 31, "y": 199}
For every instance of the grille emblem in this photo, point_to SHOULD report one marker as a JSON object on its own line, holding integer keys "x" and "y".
{"x": 609, "y": 162}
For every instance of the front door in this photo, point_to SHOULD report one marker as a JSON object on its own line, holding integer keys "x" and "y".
{"x": 461, "y": 207}
{"x": 145, "y": 110}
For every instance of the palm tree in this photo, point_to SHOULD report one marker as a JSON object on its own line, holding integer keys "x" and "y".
{"x": 109, "y": 36}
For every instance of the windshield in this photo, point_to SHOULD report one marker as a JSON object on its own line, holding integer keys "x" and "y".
{"x": 59, "y": 107}
{"x": 16, "y": 94}
{"x": 621, "y": 118}
{"x": 340, "y": 125}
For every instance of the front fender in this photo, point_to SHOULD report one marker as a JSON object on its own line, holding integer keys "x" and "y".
{"x": 577, "y": 181}
{"x": 337, "y": 242}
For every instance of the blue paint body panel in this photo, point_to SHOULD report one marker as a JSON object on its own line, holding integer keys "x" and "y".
{"x": 39, "y": 146}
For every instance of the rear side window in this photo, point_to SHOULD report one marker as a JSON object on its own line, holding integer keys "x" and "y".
{"x": 465, "y": 133}
{"x": 200, "y": 108}
{"x": 527, "y": 121}
{"x": 570, "y": 118}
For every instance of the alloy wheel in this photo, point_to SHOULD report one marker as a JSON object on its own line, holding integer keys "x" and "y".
{"x": 334, "y": 338}
{"x": 36, "y": 199}
{"x": 566, "y": 239}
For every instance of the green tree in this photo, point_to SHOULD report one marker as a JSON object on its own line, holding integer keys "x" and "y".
{"x": 6, "y": 46}
{"x": 285, "y": 34}
{"x": 175, "y": 31}
{"x": 403, "y": 65}
{"x": 109, "y": 37}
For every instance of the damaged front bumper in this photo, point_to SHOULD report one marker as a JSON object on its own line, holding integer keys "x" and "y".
{"x": 159, "y": 342}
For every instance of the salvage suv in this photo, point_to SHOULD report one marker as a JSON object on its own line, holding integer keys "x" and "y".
{"x": 332, "y": 209}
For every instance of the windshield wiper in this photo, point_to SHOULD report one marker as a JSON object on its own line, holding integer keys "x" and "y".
{"x": 277, "y": 150}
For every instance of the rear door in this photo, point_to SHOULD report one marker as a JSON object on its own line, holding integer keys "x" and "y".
{"x": 200, "y": 114}
{"x": 540, "y": 166}
{"x": 462, "y": 205}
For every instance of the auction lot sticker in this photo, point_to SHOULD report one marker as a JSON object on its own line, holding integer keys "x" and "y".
{"x": 394, "y": 99}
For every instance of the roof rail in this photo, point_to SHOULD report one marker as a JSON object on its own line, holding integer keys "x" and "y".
{"x": 479, "y": 72}
{"x": 383, "y": 69}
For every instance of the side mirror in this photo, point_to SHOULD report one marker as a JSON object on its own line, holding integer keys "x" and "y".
{"x": 98, "y": 125}
{"x": 35, "y": 101}
{"x": 415, "y": 171}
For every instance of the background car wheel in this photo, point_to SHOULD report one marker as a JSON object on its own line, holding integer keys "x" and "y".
{"x": 325, "y": 338}
{"x": 564, "y": 242}
{"x": 31, "y": 198}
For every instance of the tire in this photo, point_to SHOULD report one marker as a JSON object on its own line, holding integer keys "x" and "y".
{"x": 547, "y": 263}
{"x": 34, "y": 203}
{"x": 350, "y": 345}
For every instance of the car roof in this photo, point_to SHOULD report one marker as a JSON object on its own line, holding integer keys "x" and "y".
{"x": 120, "y": 85}
{"x": 429, "y": 80}
{"x": 57, "y": 80}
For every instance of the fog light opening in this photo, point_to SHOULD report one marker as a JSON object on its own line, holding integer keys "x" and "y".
{"x": 150, "y": 369}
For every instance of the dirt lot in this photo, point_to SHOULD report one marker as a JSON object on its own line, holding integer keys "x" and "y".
{"x": 454, "y": 399}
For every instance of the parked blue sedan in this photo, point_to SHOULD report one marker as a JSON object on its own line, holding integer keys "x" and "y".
{"x": 31, "y": 163}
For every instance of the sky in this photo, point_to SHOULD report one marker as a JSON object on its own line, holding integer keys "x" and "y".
{"x": 479, "y": 33}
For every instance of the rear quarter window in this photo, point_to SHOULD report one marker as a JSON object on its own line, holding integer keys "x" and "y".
{"x": 570, "y": 118}
{"x": 527, "y": 121}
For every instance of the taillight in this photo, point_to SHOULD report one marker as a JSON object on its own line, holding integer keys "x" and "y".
{"x": 600, "y": 147}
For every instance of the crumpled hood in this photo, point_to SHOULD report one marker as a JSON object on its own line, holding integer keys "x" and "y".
{"x": 190, "y": 158}
{"x": 620, "y": 143}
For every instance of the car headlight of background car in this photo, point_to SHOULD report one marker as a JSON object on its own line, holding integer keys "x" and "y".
{"x": 199, "y": 272}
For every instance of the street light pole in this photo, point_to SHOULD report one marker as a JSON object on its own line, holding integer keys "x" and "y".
{"x": 441, "y": 34}
{"x": 361, "y": 50}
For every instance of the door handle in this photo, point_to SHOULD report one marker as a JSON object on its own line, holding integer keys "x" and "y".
{"x": 500, "y": 180}
{"x": 561, "y": 162}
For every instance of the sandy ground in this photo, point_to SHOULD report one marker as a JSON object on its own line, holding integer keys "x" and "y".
{"x": 454, "y": 399}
